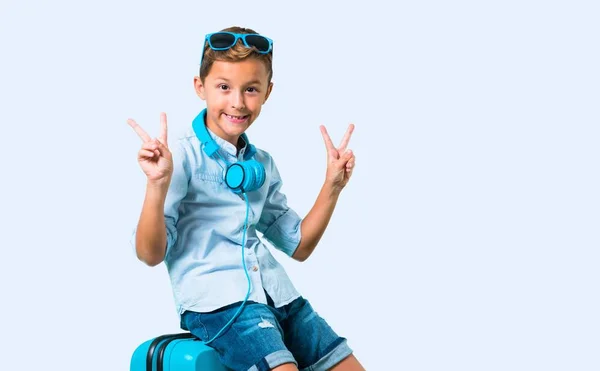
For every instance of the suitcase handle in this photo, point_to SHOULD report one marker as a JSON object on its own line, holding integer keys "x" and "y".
{"x": 161, "y": 342}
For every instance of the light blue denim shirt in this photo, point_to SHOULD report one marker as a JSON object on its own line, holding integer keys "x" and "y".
{"x": 205, "y": 221}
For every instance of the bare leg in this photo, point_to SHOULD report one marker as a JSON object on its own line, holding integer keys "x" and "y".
{"x": 349, "y": 363}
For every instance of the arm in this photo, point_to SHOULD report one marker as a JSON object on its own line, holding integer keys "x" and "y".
{"x": 314, "y": 224}
{"x": 279, "y": 224}
{"x": 151, "y": 232}
{"x": 155, "y": 231}
{"x": 340, "y": 163}
{"x": 282, "y": 226}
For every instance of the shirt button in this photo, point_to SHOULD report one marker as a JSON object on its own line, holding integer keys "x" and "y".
{"x": 255, "y": 268}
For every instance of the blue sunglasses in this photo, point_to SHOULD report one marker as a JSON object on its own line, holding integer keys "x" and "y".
{"x": 224, "y": 40}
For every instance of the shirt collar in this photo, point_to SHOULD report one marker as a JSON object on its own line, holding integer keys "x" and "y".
{"x": 228, "y": 147}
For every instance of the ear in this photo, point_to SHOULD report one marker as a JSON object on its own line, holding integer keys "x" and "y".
{"x": 199, "y": 87}
{"x": 269, "y": 89}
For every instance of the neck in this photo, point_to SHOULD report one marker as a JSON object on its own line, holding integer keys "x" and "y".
{"x": 218, "y": 132}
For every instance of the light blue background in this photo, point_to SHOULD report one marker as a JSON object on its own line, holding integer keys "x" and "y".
{"x": 466, "y": 240}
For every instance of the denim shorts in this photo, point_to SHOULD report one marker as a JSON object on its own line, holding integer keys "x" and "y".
{"x": 263, "y": 337}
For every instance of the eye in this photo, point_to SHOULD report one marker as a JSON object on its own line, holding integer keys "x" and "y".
{"x": 223, "y": 86}
{"x": 252, "y": 90}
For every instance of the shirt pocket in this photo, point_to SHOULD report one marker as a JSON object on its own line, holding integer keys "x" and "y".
{"x": 209, "y": 179}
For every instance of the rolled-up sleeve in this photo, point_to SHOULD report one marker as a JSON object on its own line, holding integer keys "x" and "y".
{"x": 178, "y": 189}
{"x": 279, "y": 224}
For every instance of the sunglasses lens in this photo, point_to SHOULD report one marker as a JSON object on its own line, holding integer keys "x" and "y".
{"x": 259, "y": 42}
{"x": 222, "y": 40}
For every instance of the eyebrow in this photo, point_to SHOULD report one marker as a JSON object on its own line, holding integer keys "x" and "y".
{"x": 248, "y": 83}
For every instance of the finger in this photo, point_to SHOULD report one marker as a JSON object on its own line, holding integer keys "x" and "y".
{"x": 349, "y": 173}
{"x": 350, "y": 165}
{"x": 344, "y": 159}
{"x": 346, "y": 138}
{"x": 152, "y": 145}
{"x": 138, "y": 129}
{"x": 328, "y": 143}
{"x": 163, "y": 129}
{"x": 144, "y": 153}
{"x": 163, "y": 150}
{"x": 157, "y": 148}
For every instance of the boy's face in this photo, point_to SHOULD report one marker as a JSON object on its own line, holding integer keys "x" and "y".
{"x": 234, "y": 93}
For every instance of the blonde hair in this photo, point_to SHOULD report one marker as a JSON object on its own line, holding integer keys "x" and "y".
{"x": 236, "y": 53}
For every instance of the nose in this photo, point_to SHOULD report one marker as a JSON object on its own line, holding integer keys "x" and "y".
{"x": 237, "y": 101}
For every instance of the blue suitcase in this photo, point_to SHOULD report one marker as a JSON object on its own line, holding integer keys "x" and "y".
{"x": 175, "y": 352}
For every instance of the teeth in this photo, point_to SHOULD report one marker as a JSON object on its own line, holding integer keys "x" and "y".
{"x": 236, "y": 117}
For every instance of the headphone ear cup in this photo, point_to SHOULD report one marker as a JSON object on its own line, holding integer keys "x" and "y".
{"x": 258, "y": 170}
{"x": 235, "y": 177}
{"x": 245, "y": 176}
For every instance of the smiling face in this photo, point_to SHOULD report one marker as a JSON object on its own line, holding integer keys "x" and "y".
{"x": 234, "y": 93}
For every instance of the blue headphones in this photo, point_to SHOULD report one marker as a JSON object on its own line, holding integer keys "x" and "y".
{"x": 240, "y": 177}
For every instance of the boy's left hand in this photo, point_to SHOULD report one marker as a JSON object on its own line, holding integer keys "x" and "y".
{"x": 340, "y": 160}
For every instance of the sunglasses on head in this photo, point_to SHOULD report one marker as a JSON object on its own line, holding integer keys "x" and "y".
{"x": 224, "y": 40}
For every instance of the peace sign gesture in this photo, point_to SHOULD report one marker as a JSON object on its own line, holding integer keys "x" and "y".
{"x": 340, "y": 160}
{"x": 154, "y": 157}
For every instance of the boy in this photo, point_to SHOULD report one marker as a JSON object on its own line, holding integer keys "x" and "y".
{"x": 210, "y": 196}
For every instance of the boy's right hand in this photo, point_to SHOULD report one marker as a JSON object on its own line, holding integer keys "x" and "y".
{"x": 154, "y": 157}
